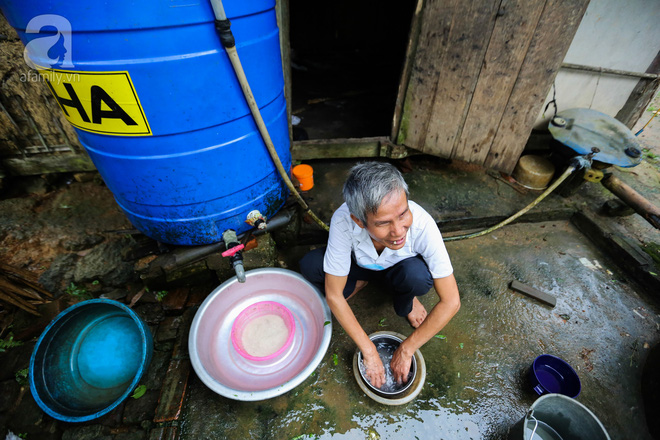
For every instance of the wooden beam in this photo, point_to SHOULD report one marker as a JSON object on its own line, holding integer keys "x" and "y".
{"x": 534, "y": 293}
{"x": 335, "y": 148}
{"x": 455, "y": 222}
{"x": 348, "y": 148}
{"x": 413, "y": 38}
{"x": 626, "y": 252}
{"x": 15, "y": 292}
{"x": 609, "y": 71}
{"x": 640, "y": 97}
{"x": 12, "y": 300}
{"x": 24, "y": 276}
{"x": 50, "y": 163}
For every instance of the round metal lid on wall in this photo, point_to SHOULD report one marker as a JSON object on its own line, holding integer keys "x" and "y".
{"x": 583, "y": 129}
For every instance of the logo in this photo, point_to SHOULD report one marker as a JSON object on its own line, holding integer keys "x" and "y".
{"x": 99, "y": 102}
{"x": 52, "y": 49}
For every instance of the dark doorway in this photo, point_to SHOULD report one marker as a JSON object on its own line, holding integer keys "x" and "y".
{"x": 346, "y": 59}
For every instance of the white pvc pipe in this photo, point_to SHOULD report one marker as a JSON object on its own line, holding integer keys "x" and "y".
{"x": 218, "y": 10}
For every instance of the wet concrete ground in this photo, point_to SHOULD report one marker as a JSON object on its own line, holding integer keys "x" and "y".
{"x": 477, "y": 384}
{"x": 603, "y": 325}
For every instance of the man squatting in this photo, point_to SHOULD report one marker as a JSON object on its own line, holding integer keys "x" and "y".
{"x": 378, "y": 234}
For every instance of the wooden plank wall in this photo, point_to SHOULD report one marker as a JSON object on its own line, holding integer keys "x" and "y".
{"x": 550, "y": 41}
{"x": 452, "y": 42}
{"x": 480, "y": 74}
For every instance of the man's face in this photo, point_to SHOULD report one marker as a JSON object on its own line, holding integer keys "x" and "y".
{"x": 389, "y": 225}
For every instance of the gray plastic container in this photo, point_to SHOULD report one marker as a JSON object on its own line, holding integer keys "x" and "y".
{"x": 558, "y": 417}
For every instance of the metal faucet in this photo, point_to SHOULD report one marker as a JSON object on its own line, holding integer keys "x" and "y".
{"x": 234, "y": 253}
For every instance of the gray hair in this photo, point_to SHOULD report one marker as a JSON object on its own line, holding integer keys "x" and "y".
{"x": 368, "y": 183}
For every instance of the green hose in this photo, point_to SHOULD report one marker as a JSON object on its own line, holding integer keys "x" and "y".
{"x": 551, "y": 188}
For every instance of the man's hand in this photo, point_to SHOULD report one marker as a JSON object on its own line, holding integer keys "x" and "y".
{"x": 334, "y": 287}
{"x": 439, "y": 316}
{"x": 374, "y": 370}
{"x": 400, "y": 364}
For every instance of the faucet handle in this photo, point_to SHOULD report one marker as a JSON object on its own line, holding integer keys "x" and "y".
{"x": 232, "y": 251}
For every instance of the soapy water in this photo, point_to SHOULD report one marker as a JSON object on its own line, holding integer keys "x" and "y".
{"x": 386, "y": 350}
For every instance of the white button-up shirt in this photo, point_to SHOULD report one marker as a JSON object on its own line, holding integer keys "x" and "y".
{"x": 423, "y": 238}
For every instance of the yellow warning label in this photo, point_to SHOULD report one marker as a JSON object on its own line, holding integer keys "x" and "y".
{"x": 100, "y": 102}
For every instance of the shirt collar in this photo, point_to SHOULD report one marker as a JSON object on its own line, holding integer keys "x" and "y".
{"x": 364, "y": 242}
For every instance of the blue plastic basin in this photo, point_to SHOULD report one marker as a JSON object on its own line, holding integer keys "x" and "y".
{"x": 550, "y": 374}
{"x": 190, "y": 162}
{"x": 89, "y": 359}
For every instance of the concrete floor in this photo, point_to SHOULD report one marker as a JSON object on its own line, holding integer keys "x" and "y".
{"x": 604, "y": 324}
{"x": 477, "y": 386}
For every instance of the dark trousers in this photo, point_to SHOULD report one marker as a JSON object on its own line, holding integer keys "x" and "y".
{"x": 407, "y": 279}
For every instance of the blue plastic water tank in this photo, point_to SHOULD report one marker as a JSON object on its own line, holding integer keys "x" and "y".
{"x": 157, "y": 106}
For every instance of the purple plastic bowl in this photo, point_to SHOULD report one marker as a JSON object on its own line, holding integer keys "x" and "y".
{"x": 550, "y": 374}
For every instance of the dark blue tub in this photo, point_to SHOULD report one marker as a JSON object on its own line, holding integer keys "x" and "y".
{"x": 89, "y": 359}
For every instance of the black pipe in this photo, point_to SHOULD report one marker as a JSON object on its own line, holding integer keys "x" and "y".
{"x": 185, "y": 255}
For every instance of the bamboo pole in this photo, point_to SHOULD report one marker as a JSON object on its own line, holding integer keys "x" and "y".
{"x": 610, "y": 71}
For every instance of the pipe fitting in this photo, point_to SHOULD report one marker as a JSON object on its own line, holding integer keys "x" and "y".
{"x": 223, "y": 27}
{"x": 558, "y": 122}
{"x": 254, "y": 218}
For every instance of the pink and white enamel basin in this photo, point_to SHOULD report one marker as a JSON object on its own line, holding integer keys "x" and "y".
{"x": 224, "y": 370}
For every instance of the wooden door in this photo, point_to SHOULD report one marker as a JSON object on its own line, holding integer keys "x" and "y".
{"x": 477, "y": 74}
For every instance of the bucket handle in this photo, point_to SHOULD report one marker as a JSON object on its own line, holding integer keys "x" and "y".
{"x": 530, "y": 415}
